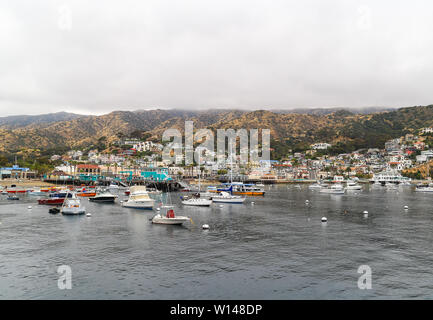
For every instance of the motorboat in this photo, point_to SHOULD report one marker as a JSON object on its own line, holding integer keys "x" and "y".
{"x": 333, "y": 189}
{"x": 169, "y": 217}
{"x": 55, "y": 198}
{"x": 352, "y": 185}
{"x": 226, "y": 197}
{"x": 12, "y": 197}
{"x": 104, "y": 197}
{"x": 86, "y": 193}
{"x": 139, "y": 199}
{"x": 72, "y": 206}
{"x": 244, "y": 189}
{"x": 424, "y": 188}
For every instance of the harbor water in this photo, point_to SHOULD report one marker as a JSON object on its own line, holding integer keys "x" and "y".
{"x": 274, "y": 248}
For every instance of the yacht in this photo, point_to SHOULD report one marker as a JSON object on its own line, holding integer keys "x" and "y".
{"x": 104, "y": 197}
{"x": 72, "y": 206}
{"x": 334, "y": 189}
{"x": 226, "y": 197}
{"x": 352, "y": 185}
{"x": 246, "y": 189}
{"x": 139, "y": 199}
{"x": 389, "y": 176}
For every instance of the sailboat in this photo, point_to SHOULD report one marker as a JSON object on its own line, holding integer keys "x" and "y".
{"x": 200, "y": 201}
{"x": 72, "y": 206}
{"x": 225, "y": 196}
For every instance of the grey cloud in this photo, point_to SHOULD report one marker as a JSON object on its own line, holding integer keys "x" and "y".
{"x": 97, "y": 56}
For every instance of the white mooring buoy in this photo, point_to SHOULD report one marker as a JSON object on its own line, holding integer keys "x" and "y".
{"x": 406, "y": 207}
{"x": 88, "y": 214}
{"x": 29, "y": 207}
{"x": 221, "y": 205}
{"x": 252, "y": 202}
{"x": 158, "y": 209}
{"x": 205, "y": 227}
{"x": 324, "y": 219}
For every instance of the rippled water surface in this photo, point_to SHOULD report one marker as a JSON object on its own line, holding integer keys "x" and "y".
{"x": 276, "y": 248}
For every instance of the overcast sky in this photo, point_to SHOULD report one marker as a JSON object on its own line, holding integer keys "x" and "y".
{"x": 99, "y": 56}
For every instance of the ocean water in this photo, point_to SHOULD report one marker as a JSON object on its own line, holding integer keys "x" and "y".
{"x": 276, "y": 248}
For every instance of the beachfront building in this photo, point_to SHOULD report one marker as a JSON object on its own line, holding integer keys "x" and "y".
{"x": 16, "y": 172}
{"x": 88, "y": 169}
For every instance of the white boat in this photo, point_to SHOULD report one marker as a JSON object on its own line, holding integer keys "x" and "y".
{"x": 105, "y": 197}
{"x": 334, "y": 189}
{"x": 226, "y": 197}
{"x": 352, "y": 185}
{"x": 389, "y": 176}
{"x": 153, "y": 191}
{"x": 200, "y": 202}
{"x": 169, "y": 217}
{"x": 424, "y": 188}
{"x": 260, "y": 185}
{"x": 139, "y": 199}
{"x": 72, "y": 206}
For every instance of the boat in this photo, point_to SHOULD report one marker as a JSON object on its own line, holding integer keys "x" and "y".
{"x": 226, "y": 197}
{"x": 72, "y": 206}
{"x": 352, "y": 185}
{"x": 246, "y": 189}
{"x": 54, "y": 210}
{"x": 260, "y": 185}
{"x": 139, "y": 199}
{"x": 333, "y": 189}
{"x": 424, "y": 188}
{"x": 169, "y": 217}
{"x": 196, "y": 201}
{"x": 55, "y": 198}
{"x": 389, "y": 176}
{"x": 12, "y": 197}
{"x": 104, "y": 197}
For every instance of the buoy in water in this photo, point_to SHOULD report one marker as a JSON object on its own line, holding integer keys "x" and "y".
{"x": 158, "y": 209}
{"x": 406, "y": 207}
{"x": 88, "y": 214}
{"x": 307, "y": 201}
{"x": 205, "y": 226}
{"x": 29, "y": 207}
{"x": 365, "y": 212}
{"x": 221, "y": 205}
{"x": 252, "y": 202}
{"x": 324, "y": 219}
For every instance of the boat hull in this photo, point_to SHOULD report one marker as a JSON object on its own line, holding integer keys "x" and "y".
{"x": 249, "y": 193}
{"x": 103, "y": 200}
{"x": 148, "y": 205}
{"x": 223, "y": 200}
{"x": 170, "y": 221}
{"x": 57, "y": 201}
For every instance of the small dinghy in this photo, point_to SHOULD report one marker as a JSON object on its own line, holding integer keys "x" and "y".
{"x": 54, "y": 210}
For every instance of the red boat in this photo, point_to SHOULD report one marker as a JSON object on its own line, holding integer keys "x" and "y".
{"x": 52, "y": 201}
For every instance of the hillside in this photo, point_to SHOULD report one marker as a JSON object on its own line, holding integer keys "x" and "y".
{"x": 288, "y": 130}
